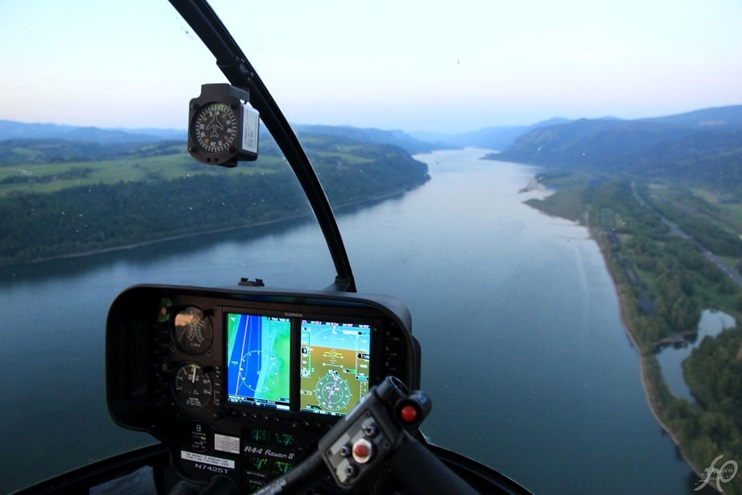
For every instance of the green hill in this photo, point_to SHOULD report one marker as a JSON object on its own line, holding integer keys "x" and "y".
{"x": 60, "y": 198}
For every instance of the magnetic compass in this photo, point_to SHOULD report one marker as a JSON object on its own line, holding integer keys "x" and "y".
{"x": 332, "y": 392}
{"x": 214, "y": 128}
{"x": 222, "y": 126}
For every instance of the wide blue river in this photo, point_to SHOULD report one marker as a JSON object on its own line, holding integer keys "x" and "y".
{"x": 524, "y": 354}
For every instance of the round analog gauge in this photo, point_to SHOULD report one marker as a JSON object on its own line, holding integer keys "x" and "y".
{"x": 332, "y": 392}
{"x": 214, "y": 128}
{"x": 192, "y": 386}
{"x": 193, "y": 330}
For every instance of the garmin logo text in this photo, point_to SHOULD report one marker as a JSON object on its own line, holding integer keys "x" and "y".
{"x": 293, "y": 315}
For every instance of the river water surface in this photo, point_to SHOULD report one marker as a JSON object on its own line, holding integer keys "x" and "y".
{"x": 524, "y": 354}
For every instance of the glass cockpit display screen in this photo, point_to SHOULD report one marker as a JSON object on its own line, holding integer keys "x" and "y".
{"x": 335, "y": 360}
{"x": 258, "y": 360}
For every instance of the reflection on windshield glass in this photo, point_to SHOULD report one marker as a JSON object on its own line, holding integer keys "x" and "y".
{"x": 554, "y": 190}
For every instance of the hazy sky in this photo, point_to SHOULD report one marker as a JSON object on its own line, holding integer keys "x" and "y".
{"x": 394, "y": 64}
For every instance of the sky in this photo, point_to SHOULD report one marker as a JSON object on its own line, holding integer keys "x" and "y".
{"x": 435, "y": 66}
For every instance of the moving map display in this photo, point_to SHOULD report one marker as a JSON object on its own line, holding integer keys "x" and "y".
{"x": 335, "y": 361}
{"x": 258, "y": 360}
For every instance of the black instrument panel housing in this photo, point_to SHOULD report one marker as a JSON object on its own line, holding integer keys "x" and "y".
{"x": 249, "y": 443}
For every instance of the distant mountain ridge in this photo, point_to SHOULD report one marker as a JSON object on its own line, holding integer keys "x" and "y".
{"x": 10, "y": 129}
{"x": 496, "y": 138}
{"x": 704, "y": 145}
{"x": 374, "y": 136}
{"x": 718, "y": 117}
{"x": 561, "y": 141}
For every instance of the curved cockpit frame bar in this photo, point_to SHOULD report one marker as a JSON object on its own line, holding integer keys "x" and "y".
{"x": 240, "y": 73}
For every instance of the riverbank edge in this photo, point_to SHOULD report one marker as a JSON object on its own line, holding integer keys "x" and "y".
{"x": 648, "y": 384}
{"x": 368, "y": 201}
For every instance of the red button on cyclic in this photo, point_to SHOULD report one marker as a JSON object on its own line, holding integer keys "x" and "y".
{"x": 362, "y": 450}
{"x": 408, "y": 414}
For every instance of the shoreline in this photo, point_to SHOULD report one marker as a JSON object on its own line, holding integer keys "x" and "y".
{"x": 650, "y": 373}
{"x": 309, "y": 214}
{"x": 647, "y": 383}
{"x": 135, "y": 245}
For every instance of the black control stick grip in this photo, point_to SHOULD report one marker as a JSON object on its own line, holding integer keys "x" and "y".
{"x": 421, "y": 472}
{"x": 362, "y": 442}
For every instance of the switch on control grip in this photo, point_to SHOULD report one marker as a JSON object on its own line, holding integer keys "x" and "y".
{"x": 359, "y": 443}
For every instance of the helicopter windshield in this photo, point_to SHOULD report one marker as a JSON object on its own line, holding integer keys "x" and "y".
{"x": 509, "y": 170}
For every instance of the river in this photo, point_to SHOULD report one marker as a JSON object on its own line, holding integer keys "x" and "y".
{"x": 524, "y": 354}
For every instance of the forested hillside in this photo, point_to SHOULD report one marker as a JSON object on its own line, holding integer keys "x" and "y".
{"x": 700, "y": 147}
{"x": 59, "y": 198}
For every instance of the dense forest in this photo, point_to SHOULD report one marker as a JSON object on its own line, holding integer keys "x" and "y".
{"x": 65, "y": 198}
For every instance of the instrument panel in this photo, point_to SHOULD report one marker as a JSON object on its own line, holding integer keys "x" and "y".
{"x": 244, "y": 382}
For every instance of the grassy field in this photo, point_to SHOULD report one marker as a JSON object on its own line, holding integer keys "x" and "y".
{"x": 567, "y": 201}
{"x": 40, "y": 169}
{"x": 716, "y": 206}
{"x": 51, "y": 177}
